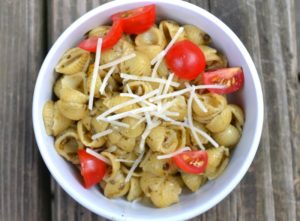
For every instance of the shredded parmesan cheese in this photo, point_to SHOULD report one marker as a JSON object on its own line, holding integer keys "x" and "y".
{"x": 172, "y": 42}
{"x": 166, "y": 106}
{"x": 126, "y": 114}
{"x": 134, "y": 166}
{"x": 111, "y": 149}
{"x": 160, "y": 88}
{"x": 173, "y": 94}
{"x": 125, "y": 161}
{"x": 174, "y": 39}
{"x": 170, "y": 155}
{"x": 105, "y": 80}
{"x": 209, "y": 86}
{"x": 150, "y": 127}
{"x": 168, "y": 119}
{"x": 200, "y": 104}
{"x": 187, "y": 84}
{"x": 159, "y": 58}
{"x": 101, "y": 134}
{"x": 98, "y": 156}
{"x": 172, "y": 114}
{"x": 139, "y": 122}
{"x": 119, "y": 124}
{"x": 95, "y": 73}
{"x": 117, "y": 61}
{"x": 197, "y": 130}
{"x": 167, "y": 86}
{"x": 197, "y": 100}
{"x": 146, "y": 133}
{"x": 129, "y": 89}
{"x": 190, "y": 120}
{"x": 130, "y": 102}
{"x": 135, "y": 96}
{"x": 156, "y": 66}
{"x": 185, "y": 90}
{"x": 178, "y": 123}
{"x": 135, "y": 116}
{"x": 150, "y": 79}
{"x": 205, "y": 135}
{"x": 184, "y": 124}
{"x": 116, "y": 123}
{"x": 148, "y": 118}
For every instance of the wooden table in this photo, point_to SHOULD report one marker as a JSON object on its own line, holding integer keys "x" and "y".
{"x": 271, "y": 188}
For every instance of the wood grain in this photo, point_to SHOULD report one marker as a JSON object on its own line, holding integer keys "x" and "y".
{"x": 61, "y": 14}
{"x": 293, "y": 95}
{"x": 267, "y": 30}
{"x": 24, "y": 180}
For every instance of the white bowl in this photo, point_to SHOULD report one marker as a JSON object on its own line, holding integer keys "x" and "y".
{"x": 191, "y": 204}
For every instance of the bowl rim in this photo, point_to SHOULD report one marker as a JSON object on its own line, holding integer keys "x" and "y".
{"x": 188, "y": 213}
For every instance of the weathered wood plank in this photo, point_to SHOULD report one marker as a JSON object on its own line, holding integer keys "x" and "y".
{"x": 266, "y": 28}
{"x": 61, "y": 13}
{"x": 278, "y": 49}
{"x": 293, "y": 91}
{"x": 24, "y": 180}
{"x": 251, "y": 199}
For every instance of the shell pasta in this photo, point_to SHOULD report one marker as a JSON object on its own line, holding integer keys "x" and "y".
{"x": 143, "y": 115}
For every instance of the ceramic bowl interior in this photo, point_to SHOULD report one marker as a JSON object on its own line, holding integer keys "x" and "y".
{"x": 191, "y": 204}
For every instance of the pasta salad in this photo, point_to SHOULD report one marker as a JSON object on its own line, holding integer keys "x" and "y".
{"x": 140, "y": 108}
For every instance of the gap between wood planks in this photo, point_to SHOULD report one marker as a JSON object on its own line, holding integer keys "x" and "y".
{"x": 24, "y": 180}
{"x": 297, "y": 13}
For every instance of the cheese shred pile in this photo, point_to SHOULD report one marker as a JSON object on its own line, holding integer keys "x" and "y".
{"x": 154, "y": 105}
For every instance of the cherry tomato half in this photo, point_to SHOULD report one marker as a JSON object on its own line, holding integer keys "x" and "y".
{"x": 186, "y": 60}
{"x": 109, "y": 40}
{"x": 194, "y": 161}
{"x": 137, "y": 20}
{"x": 92, "y": 169}
{"x": 232, "y": 78}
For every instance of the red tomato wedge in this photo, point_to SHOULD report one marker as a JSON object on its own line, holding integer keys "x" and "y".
{"x": 232, "y": 78}
{"x": 193, "y": 162}
{"x": 92, "y": 169}
{"x": 109, "y": 40}
{"x": 186, "y": 60}
{"x": 137, "y": 20}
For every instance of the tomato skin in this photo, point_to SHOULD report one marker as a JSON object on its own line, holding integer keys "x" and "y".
{"x": 92, "y": 169}
{"x": 186, "y": 60}
{"x": 109, "y": 40}
{"x": 138, "y": 20}
{"x": 187, "y": 161}
{"x": 232, "y": 77}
